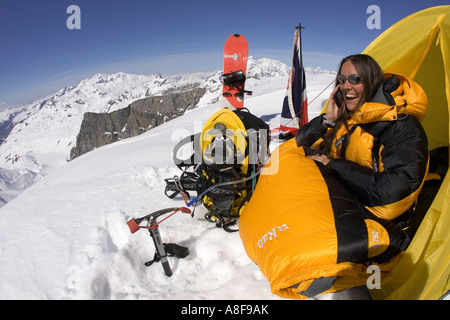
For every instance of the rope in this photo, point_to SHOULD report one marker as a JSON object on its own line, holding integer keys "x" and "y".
{"x": 293, "y": 118}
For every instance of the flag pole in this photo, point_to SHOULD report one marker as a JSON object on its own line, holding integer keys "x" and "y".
{"x": 299, "y": 26}
{"x": 295, "y": 101}
{"x": 304, "y": 118}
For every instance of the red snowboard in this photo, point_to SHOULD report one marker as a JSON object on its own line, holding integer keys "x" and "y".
{"x": 234, "y": 72}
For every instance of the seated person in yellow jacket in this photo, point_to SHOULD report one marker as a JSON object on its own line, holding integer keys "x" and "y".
{"x": 373, "y": 142}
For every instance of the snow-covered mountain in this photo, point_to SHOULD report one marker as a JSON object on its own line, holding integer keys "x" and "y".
{"x": 44, "y": 132}
{"x": 66, "y": 236}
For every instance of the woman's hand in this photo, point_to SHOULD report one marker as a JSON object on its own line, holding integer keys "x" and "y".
{"x": 334, "y": 113}
{"x": 320, "y": 157}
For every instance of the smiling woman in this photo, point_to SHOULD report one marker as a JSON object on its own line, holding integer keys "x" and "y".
{"x": 358, "y": 80}
{"x": 373, "y": 147}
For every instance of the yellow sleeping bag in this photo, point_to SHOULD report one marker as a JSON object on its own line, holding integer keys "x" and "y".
{"x": 308, "y": 234}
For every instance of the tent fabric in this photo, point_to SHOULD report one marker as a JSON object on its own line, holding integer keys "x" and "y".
{"x": 418, "y": 47}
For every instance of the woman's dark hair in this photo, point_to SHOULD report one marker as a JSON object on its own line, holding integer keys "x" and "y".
{"x": 372, "y": 77}
{"x": 371, "y": 73}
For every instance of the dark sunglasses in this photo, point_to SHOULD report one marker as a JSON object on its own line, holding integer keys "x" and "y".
{"x": 353, "y": 79}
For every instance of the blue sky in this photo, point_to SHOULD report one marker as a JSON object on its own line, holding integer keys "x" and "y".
{"x": 39, "y": 55}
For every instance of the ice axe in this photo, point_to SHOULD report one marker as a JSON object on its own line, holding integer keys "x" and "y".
{"x": 162, "y": 250}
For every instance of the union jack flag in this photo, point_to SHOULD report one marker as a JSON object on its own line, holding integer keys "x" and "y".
{"x": 294, "y": 113}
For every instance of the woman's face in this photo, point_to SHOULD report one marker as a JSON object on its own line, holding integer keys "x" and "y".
{"x": 352, "y": 92}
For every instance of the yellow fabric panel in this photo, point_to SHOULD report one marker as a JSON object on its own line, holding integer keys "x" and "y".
{"x": 394, "y": 210}
{"x": 380, "y": 164}
{"x": 378, "y": 238}
{"x": 419, "y": 47}
{"x": 432, "y": 78}
{"x": 424, "y": 270}
{"x": 335, "y": 151}
{"x": 410, "y": 98}
{"x": 407, "y": 42}
{"x": 359, "y": 149}
{"x": 371, "y": 111}
{"x": 445, "y": 50}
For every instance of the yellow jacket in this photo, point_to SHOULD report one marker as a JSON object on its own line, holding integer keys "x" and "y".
{"x": 382, "y": 156}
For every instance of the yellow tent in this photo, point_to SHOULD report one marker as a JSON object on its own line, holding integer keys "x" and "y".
{"x": 418, "y": 47}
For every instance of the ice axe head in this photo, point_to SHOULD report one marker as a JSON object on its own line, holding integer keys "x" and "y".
{"x": 133, "y": 225}
{"x": 185, "y": 210}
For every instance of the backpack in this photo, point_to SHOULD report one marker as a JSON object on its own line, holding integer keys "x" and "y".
{"x": 223, "y": 165}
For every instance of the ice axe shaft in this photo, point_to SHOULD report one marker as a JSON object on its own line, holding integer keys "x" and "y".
{"x": 152, "y": 227}
{"x": 160, "y": 251}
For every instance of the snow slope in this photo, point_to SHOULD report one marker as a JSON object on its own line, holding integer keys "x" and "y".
{"x": 66, "y": 236}
{"x": 46, "y": 130}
